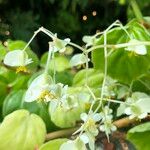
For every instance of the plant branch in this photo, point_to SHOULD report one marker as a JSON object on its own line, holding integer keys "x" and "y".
{"x": 124, "y": 122}
{"x": 117, "y": 46}
{"x": 121, "y": 123}
{"x": 61, "y": 133}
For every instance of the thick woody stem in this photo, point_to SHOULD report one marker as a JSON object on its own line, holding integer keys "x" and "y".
{"x": 124, "y": 122}
{"x": 61, "y": 133}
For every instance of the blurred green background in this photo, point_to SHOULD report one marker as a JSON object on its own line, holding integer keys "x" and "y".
{"x": 68, "y": 18}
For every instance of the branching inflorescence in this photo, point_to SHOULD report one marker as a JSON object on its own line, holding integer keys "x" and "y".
{"x": 99, "y": 116}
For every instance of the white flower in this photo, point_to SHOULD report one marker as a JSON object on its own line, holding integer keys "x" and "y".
{"x": 88, "y": 139}
{"x": 60, "y": 45}
{"x": 108, "y": 126}
{"x": 85, "y": 99}
{"x": 17, "y": 58}
{"x": 106, "y": 114}
{"x": 137, "y": 49}
{"x": 89, "y": 128}
{"x": 78, "y": 59}
{"x": 62, "y": 97}
{"x": 94, "y": 116}
{"x": 39, "y": 89}
{"x": 89, "y": 40}
{"x": 137, "y": 106}
{"x": 106, "y": 123}
{"x": 109, "y": 91}
{"x": 59, "y": 90}
{"x": 109, "y": 88}
{"x": 135, "y": 111}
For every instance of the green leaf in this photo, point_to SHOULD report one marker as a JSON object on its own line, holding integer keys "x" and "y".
{"x": 41, "y": 109}
{"x": 95, "y": 78}
{"x": 122, "y": 65}
{"x": 20, "y": 82}
{"x": 62, "y": 117}
{"x": 140, "y": 136}
{"x": 12, "y": 102}
{"x": 15, "y": 101}
{"x": 53, "y": 144}
{"x": 21, "y": 130}
{"x": 18, "y": 44}
{"x": 3, "y": 93}
{"x": 7, "y": 73}
{"x": 142, "y": 84}
{"x": 59, "y": 63}
{"x": 64, "y": 77}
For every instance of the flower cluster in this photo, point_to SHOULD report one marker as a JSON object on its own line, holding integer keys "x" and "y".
{"x": 66, "y": 108}
{"x": 136, "y": 106}
{"x": 89, "y": 129}
{"x": 106, "y": 123}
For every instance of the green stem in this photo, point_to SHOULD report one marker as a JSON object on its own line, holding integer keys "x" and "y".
{"x": 136, "y": 10}
{"x": 49, "y": 57}
{"x": 54, "y": 69}
{"x": 34, "y": 35}
{"x": 87, "y": 67}
{"x": 117, "y": 46}
{"x": 77, "y": 46}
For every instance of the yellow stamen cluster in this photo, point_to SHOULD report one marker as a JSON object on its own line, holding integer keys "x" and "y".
{"x": 22, "y": 69}
{"x": 48, "y": 94}
{"x": 90, "y": 123}
{"x": 132, "y": 53}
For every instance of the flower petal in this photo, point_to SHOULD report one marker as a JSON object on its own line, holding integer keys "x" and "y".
{"x": 84, "y": 117}
{"x": 84, "y": 138}
{"x": 16, "y": 58}
{"x": 78, "y": 59}
{"x": 97, "y": 117}
{"x": 138, "y": 49}
{"x": 38, "y": 85}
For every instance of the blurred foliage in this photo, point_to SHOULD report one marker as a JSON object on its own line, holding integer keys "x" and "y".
{"x": 19, "y": 19}
{"x": 64, "y": 17}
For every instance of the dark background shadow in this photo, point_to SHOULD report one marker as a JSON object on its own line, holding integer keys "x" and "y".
{"x": 68, "y": 18}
